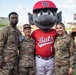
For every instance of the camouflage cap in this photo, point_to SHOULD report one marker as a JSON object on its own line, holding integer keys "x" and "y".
{"x": 26, "y": 26}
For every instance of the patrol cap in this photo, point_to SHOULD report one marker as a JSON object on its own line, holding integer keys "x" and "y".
{"x": 26, "y": 26}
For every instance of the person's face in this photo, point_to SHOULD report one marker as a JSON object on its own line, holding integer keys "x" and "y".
{"x": 27, "y": 31}
{"x": 13, "y": 19}
{"x": 60, "y": 29}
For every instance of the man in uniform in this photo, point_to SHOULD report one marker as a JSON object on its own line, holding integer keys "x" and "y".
{"x": 9, "y": 39}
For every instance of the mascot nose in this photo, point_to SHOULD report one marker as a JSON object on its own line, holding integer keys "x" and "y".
{"x": 46, "y": 19}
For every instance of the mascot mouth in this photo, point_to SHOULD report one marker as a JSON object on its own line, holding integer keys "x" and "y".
{"x": 45, "y": 24}
{"x": 45, "y": 21}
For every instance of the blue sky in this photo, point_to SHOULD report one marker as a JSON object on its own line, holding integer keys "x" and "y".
{"x": 22, "y": 7}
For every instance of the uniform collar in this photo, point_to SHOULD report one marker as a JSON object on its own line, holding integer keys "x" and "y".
{"x": 12, "y": 29}
{"x": 62, "y": 37}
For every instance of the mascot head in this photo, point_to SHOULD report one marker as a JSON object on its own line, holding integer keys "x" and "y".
{"x": 44, "y": 15}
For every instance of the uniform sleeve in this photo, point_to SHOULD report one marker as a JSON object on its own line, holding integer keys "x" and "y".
{"x": 20, "y": 36}
{"x": 19, "y": 32}
{"x": 72, "y": 53}
{"x": 3, "y": 35}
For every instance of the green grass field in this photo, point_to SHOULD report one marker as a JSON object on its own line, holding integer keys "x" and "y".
{"x": 74, "y": 71}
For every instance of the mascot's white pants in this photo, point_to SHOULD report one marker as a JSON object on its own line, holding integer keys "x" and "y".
{"x": 44, "y": 67}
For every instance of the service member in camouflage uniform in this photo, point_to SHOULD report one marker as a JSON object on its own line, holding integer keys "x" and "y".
{"x": 27, "y": 46}
{"x": 9, "y": 39}
{"x": 64, "y": 52}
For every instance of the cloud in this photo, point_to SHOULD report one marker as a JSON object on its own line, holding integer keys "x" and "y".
{"x": 66, "y": 5}
{"x": 5, "y": 5}
{"x": 21, "y": 6}
{"x": 71, "y": 1}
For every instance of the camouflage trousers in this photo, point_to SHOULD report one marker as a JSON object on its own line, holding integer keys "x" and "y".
{"x": 61, "y": 70}
{"x": 27, "y": 71}
{"x": 9, "y": 69}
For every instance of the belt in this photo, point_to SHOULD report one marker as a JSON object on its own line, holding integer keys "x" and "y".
{"x": 45, "y": 58}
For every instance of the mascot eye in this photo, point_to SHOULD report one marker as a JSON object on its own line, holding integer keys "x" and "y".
{"x": 50, "y": 13}
{"x": 40, "y": 13}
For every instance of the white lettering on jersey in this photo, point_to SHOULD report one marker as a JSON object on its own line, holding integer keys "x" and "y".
{"x": 44, "y": 41}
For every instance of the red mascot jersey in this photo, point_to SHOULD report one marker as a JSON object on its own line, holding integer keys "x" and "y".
{"x": 44, "y": 42}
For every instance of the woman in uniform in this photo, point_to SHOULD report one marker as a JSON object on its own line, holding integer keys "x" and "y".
{"x": 64, "y": 52}
{"x": 27, "y": 47}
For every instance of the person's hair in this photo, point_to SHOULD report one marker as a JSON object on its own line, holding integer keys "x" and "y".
{"x": 62, "y": 24}
{"x": 12, "y": 13}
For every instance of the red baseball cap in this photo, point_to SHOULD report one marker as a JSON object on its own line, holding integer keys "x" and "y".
{"x": 44, "y": 4}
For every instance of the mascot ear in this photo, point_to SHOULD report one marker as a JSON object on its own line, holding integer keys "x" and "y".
{"x": 59, "y": 17}
{"x": 30, "y": 18}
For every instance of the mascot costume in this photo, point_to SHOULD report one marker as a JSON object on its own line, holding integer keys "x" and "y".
{"x": 44, "y": 17}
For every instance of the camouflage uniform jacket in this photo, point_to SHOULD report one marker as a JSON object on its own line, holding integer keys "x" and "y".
{"x": 64, "y": 51}
{"x": 9, "y": 39}
{"x": 27, "y": 47}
